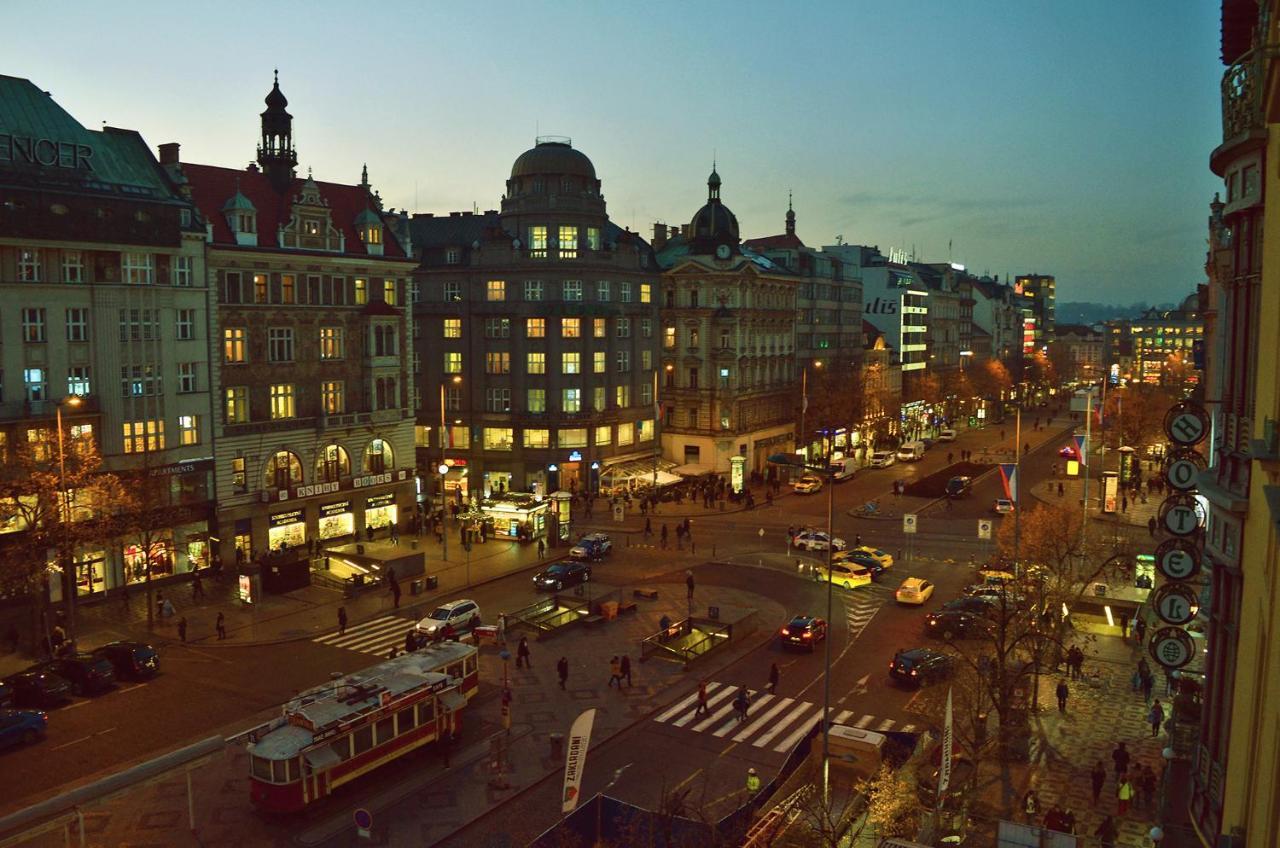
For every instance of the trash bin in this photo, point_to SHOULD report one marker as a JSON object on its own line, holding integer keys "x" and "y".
{"x": 557, "y": 746}
{"x": 433, "y": 582}
{"x": 416, "y": 586}
{"x": 609, "y": 610}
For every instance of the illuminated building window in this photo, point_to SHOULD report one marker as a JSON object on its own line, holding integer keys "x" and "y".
{"x": 599, "y": 328}
{"x": 452, "y": 362}
{"x": 259, "y": 288}
{"x": 599, "y": 361}
{"x": 626, "y": 434}
{"x": 496, "y": 290}
{"x": 538, "y": 242}
{"x": 143, "y": 436}
{"x": 332, "y": 343}
{"x": 568, "y": 243}
{"x": 389, "y": 292}
{"x": 453, "y": 328}
{"x": 188, "y": 430}
{"x": 571, "y": 328}
{"x": 603, "y": 435}
{"x": 332, "y": 464}
{"x": 236, "y": 403}
{"x": 537, "y": 438}
{"x": 535, "y": 328}
{"x": 571, "y": 400}
{"x": 283, "y": 470}
{"x": 622, "y": 396}
{"x": 646, "y": 292}
{"x": 536, "y": 363}
{"x": 333, "y": 399}
{"x": 288, "y": 288}
{"x": 499, "y": 438}
{"x": 234, "y": 345}
{"x": 597, "y": 398}
{"x": 669, "y": 338}
{"x": 572, "y": 290}
{"x": 34, "y": 381}
{"x": 571, "y": 363}
{"x": 283, "y": 401}
{"x": 378, "y": 457}
{"x": 497, "y": 362}
{"x": 78, "y": 380}
{"x": 361, "y": 291}
{"x": 536, "y": 400}
{"x": 593, "y": 238}
{"x": 572, "y": 437}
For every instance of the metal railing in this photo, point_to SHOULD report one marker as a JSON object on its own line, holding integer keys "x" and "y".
{"x": 1242, "y": 94}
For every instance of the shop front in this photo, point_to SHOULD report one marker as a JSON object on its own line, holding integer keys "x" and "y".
{"x": 286, "y": 530}
{"x": 156, "y": 553}
{"x": 380, "y": 511}
{"x": 517, "y": 515}
{"x": 336, "y": 521}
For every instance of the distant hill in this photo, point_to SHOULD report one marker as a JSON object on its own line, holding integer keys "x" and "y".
{"x": 1084, "y": 312}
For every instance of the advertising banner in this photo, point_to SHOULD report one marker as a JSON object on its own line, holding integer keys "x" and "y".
{"x": 576, "y": 759}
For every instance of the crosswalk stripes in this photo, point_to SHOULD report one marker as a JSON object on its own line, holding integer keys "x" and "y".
{"x": 376, "y": 636}
{"x": 858, "y": 614}
{"x": 774, "y": 722}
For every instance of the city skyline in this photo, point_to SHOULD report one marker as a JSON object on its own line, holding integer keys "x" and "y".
{"x": 932, "y": 145}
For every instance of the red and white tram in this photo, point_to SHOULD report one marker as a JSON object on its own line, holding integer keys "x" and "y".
{"x": 335, "y": 733}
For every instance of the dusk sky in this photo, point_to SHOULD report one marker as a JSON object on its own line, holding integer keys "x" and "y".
{"x": 1070, "y": 139}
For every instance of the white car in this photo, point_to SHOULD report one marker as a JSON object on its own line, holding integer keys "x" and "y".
{"x": 1003, "y": 506}
{"x": 946, "y": 435}
{"x": 461, "y": 615}
{"x": 807, "y": 485}
{"x": 817, "y": 540}
{"x": 914, "y": 590}
{"x": 882, "y": 459}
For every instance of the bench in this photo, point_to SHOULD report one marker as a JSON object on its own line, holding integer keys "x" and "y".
{"x": 626, "y": 606}
{"x": 647, "y": 593}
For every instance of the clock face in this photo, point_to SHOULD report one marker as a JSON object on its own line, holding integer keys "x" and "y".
{"x": 722, "y": 252}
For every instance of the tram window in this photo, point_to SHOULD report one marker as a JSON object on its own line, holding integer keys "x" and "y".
{"x": 342, "y": 748}
{"x": 386, "y": 729}
{"x": 261, "y": 768}
{"x": 454, "y": 669}
{"x": 405, "y": 719}
{"x": 426, "y": 712}
{"x": 471, "y": 664}
{"x": 363, "y": 739}
{"x": 286, "y": 771}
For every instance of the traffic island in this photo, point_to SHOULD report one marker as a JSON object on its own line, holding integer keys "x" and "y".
{"x": 692, "y": 639}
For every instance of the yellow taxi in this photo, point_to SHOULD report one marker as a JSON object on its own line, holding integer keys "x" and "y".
{"x": 914, "y": 590}
{"x": 848, "y": 574}
{"x": 883, "y": 557}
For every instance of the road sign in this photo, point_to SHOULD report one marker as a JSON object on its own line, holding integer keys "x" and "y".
{"x": 1172, "y": 647}
{"x": 1186, "y": 423}
{"x": 1175, "y": 603}
{"x": 364, "y": 822}
{"x": 1182, "y": 467}
{"x": 760, "y": 533}
{"x": 619, "y": 512}
{"x": 909, "y": 522}
{"x": 984, "y": 528}
{"x": 1178, "y": 559}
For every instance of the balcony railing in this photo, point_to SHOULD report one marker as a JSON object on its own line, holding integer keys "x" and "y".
{"x": 1242, "y": 95}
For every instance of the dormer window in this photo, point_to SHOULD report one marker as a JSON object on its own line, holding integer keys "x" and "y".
{"x": 246, "y": 222}
{"x": 372, "y": 235}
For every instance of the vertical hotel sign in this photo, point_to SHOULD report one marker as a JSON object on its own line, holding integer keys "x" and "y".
{"x": 576, "y": 759}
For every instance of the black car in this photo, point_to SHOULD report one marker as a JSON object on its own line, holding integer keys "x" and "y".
{"x": 975, "y": 604}
{"x": 38, "y": 689}
{"x": 133, "y": 660}
{"x": 863, "y": 559}
{"x": 562, "y": 574}
{"x": 803, "y": 631}
{"x": 919, "y": 666}
{"x": 958, "y": 487}
{"x": 955, "y": 624}
{"x": 88, "y": 674}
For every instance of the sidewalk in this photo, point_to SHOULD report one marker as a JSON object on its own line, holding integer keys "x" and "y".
{"x": 1129, "y": 512}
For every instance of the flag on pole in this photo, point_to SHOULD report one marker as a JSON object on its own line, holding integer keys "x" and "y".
{"x": 576, "y": 759}
{"x": 1009, "y": 479}
{"x": 1081, "y": 448}
{"x": 944, "y": 776}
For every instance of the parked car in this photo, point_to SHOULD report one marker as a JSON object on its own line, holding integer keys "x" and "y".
{"x": 809, "y": 484}
{"x": 22, "y": 727}
{"x": 460, "y": 615}
{"x": 993, "y": 592}
{"x": 911, "y": 451}
{"x": 958, "y": 487}
{"x": 883, "y": 557}
{"x": 847, "y": 574}
{"x": 955, "y": 624}
{"x": 914, "y": 590}
{"x": 38, "y": 689}
{"x": 89, "y": 675}
{"x": 1003, "y": 506}
{"x": 817, "y": 540}
{"x": 947, "y": 435}
{"x": 593, "y": 546}
{"x": 975, "y": 604}
{"x": 882, "y": 459}
{"x": 862, "y": 559}
{"x": 133, "y": 660}
{"x": 562, "y": 574}
{"x": 803, "y": 631}
{"x": 920, "y": 666}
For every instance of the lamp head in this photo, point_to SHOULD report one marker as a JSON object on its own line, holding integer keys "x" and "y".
{"x": 73, "y": 400}
{"x": 443, "y": 469}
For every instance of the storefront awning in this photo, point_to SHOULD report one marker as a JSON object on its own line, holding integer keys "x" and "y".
{"x": 692, "y": 469}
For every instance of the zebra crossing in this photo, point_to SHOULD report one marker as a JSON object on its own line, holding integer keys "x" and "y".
{"x": 377, "y": 636}
{"x": 773, "y": 722}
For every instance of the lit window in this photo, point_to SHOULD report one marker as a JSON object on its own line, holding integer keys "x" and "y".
{"x": 535, "y": 328}
{"x": 78, "y": 324}
{"x": 603, "y": 435}
{"x": 537, "y": 400}
{"x": 533, "y": 290}
{"x": 646, "y": 359}
{"x": 537, "y": 438}
{"x": 570, "y": 328}
{"x": 28, "y": 266}
{"x": 538, "y": 242}
{"x": 497, "y": 362}
{"x": 496, "y": 290}
{"x": 73, "y": 266}
{"x": 602, "y": 291}
{"x": 597, "y": 398}
{"x": 378, "y": 456}
{"x": 186, "y": 377}
{"x": 332, "y": 464}
{"x": 453, "y": 328}
{"x": 537, "y": 363}
{"x": 283, "y": 470}
{"x": 571, "y": 363}
{"x": 593, "y": 238}
{"x": 572, "y": 290}
{"x": 288, "y": 288}
{"x": 599, "y": 328}
{"x": 138, "y": 269}
{"x": 332, "y": 343}
{"x": 372, "y": 235}
{"x": 188, "y": 430}
{"x": 644, "y": 430}
{"x": 568, "y": 243}
{"x": 452, "y": 362}
{"x": 572, "y": 437}
{"x": 623, "y": 328}
{"x": 33, "y": 325}
{"x": 669, "y": 337}
{"x": 236, "y": 401}
{"x": 622, "y": 396}
{"x": 234, "y": 345}
{"x": 389, "y": 292}
{"x": 239, "y": 478}
{"x": 362, "y": 291}
{"x": 646, "y": 292}
{"x": 626, "y": 434}
{"x": 498, "y": 438}
{"x": 34, "y": 380}
{"x": 571, "y": 400}
{"x": 333, "y": 399}
{"x": 78, "y": 380}
{"x": 260, "y": 294}
{"x": 140, "y": 381}
{"x": 599, "y": 360}
{"x": 143, "y": 436}
{"x": 283, "y": 401}
{"x": 280, "y": 344}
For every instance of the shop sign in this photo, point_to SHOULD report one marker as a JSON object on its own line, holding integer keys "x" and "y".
{"x": 25, "y": 149}
{"x": 328, "y": 510}
{"x": 312, "y": 489}
{"x": 1175, "y": 603}
{"x": 575, "y": 456}
{"x": 1172, "y": 647}
{"x": 280, "y": 519}
{"x": 246, "y": 589}
{"x": 1178, "y": 559}
{"x": 380, "y": 500}
{"x": 455, "y": 463}
{"x": 175, "y": 468}
{"x": 371, "y": 480}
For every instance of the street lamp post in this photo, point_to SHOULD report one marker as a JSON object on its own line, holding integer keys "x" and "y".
{"x": 70, "y": 577}
{"x": 444, "y": 469}
{"x": 804, "y": 403}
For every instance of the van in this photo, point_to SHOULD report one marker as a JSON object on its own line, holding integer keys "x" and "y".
{"x": 882, "y": 459}
{"x": 911, "y": 451}
{"x": 843, "y": 469}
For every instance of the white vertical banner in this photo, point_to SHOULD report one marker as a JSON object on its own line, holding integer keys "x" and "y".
{"x": 576, "y": 759}
{"x": 944, "y": 776}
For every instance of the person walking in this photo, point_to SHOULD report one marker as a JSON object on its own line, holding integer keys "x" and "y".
{"x": 615, "y": 672}
{"x": 395, "y": 593}
{"x": 1031, "y": 806}
{"x": 1156, "y": 717}
{"x": 774, "y": 675}
{"x": 626, "y": 671}
{"x": 542, "y": 549}
{"x": 702, "y": 699}
{"x": 1147, "y": 788}
{"x": 1107, "y": 833}
{"x": 1097, "y": 778}
{"x": 220, "y": 625}
{"x": 197, "y": 586}
{"x": 1124, "y": 796}
{"x": 742, "y": 703}
{"x": 522, "y": 653}
{"x": 410, "y": 641}
{"x": 1147, "y": 683}
{"x": 648, "y": 527}
{"x": 342, "y": 621}
{"x": 562, "y": 670}
{"x": 1120, "y": 758}
{"x": 182, "y": 628}
{"x": 1062, "y": 693}
{"x": 753, "y": 782}
{"x": 688, "y": 582}
{"x": 663, "y": 536}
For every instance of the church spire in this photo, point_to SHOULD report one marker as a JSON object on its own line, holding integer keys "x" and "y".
{"x": 276, "y": 154}
{"x": 713, "y": 184}
{"x": 791, "y": 216}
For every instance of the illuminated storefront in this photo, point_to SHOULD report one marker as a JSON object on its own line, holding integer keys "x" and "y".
{"x": 336, "y": 520}
{"x": 136, "y": 559}
{"x": 380, "y": 511}
{"x": 517, "y": 515}
{"x": 287, "y": 530}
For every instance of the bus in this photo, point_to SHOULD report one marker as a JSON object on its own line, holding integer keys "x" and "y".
{"x": 337, "y": 732}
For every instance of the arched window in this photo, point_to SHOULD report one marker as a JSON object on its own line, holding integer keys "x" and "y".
{"x": 378, "y": 457}
{"x": 332, "y": 463}
{"x": 284, "y": 469}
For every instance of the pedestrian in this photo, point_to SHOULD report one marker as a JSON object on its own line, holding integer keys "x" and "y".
{"x": 663, "y": 536}
{"x": 1031, "y": 806}
{"x": 1053, "y": 818}
{"x": 167, "y": 609}
{"x": 1156, "y": 717}
{"x": 410, "y": 641}
{"x": 395, "y": 534}
{"x": 702, "y": 699}
{"x": 626, "y": 671}
{"x": 1170, "y": 681}
{"x": 664, "y": 628}
{"x": 220, "y": 625}
{"x": 1147, "y": 683}
{"x": 1151, "y": 526}
{"x": 1135, "y": 680}
{"x": 742, "y": 703}
{"x": 1124, "y": 795}
{"x": 182, "y": 628}
{"x": 648, "y": 528}
{"x": 688, "y": 582}
{"x": 1062, "y": 693}
{"x": 1106, "y": 833}
{"x": 615, "y": 672}
{"x": 1147, "y": 787}
{"x": 197, "y": 586}
{"x": 1120, "y": 758}
{"x": 774, "y": 675}
{"x": 542, "y": 549}
{"x": 1140, "y": 629}
{"x": 522, "y": 653}
{"x": 1124, "y": 503}
{"x": 342, "y": 621}
{"x": 446, "y": 744}
{"x": 160, "y": 605}
{"x": 1097, "y": 778}
{"x": 562, "y": 670}
{"x": 753, "y": 782}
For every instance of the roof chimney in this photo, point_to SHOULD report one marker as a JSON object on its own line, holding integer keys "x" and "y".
{"x": 659, "y": 236}
{"x": 169, "y": 153}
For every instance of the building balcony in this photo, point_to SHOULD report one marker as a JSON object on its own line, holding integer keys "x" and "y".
{"x": 1242, "y": 86}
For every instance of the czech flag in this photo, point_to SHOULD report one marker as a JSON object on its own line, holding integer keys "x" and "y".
{"x": 1080, "y": 449}
{"x": 1009, "y": 479}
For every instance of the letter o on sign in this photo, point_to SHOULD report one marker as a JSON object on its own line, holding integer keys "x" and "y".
{"x": 1181, "y": 469}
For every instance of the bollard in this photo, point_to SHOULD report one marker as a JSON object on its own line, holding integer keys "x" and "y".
{"x": 557, "y": 746}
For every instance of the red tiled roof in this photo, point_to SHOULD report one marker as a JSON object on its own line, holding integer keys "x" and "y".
{"x": 212, "y": 187}
{"x": 785, "y": 241}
